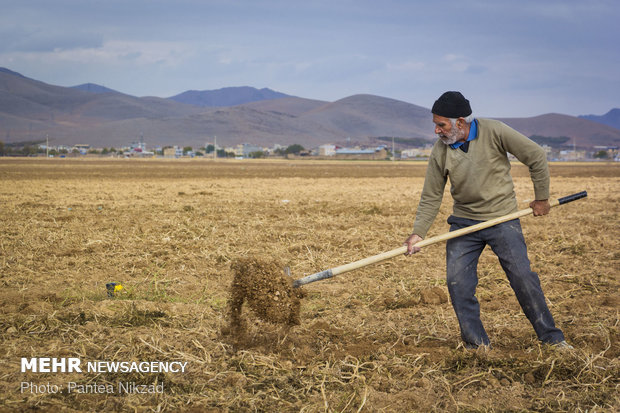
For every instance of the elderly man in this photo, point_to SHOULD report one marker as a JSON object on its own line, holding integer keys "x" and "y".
{"x": 473, "y": 153}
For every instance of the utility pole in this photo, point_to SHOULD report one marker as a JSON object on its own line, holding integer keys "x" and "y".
{"x": 393, "y": 153}
{"x": 575, "y": 148}
{"x": 214, "y": 147}
{"x": 47, "y": 145}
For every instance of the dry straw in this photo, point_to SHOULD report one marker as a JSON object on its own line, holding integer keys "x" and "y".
{"x": 383, "y": 338}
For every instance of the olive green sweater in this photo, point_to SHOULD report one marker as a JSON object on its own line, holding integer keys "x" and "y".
{"x": 480, "y": 181}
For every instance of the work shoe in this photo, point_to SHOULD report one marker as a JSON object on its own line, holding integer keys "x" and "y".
{"x": 472, "y": 347}
{"x": 563, "y": 345}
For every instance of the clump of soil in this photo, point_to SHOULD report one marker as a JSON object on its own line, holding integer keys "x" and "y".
{"x": 434, "y": 295}
{"x": 266, "y": 289}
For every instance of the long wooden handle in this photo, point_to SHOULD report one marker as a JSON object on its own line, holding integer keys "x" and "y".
{"x": 433, "y": 240}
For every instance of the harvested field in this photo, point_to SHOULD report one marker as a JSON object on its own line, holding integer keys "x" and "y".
{"x": 381, "y": 338}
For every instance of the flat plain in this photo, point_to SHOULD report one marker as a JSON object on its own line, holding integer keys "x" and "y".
{"x": 381, "y": 338}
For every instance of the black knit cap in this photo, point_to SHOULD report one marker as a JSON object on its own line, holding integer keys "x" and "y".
{"x": 452, "y": 105}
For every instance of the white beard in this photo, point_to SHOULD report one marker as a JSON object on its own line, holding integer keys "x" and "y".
{"x": 453, "y": 136}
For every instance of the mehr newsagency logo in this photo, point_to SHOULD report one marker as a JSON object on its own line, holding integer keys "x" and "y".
{"x": 74, "y": 365}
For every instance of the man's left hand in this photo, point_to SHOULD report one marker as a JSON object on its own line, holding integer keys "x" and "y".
{"x": 541, "y": 207}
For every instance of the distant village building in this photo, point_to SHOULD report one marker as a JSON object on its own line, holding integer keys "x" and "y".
{"x": 138, "y": 146}
{"x": 416, "y": 152}
{"x": 82, "y": 148}
{"x": 337, "y": 152}
{"x": 327, "y": 150}
{"x": 173, "y": 152}
{"x": 358, "y": 153}
{"x": 245, "y": 149}
{"x": 572, "y": 155}
{"x": 354, "y": 151}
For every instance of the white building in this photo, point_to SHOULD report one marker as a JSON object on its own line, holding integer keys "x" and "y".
{"x": 327, "y": 150}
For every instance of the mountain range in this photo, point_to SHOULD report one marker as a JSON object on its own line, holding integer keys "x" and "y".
{"x": 228, "y": 96}
{"x": 611, "y": 118}
{"x": 30, "y": 110}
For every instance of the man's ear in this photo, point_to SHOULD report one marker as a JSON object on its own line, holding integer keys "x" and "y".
{"x": 460, "y": 123}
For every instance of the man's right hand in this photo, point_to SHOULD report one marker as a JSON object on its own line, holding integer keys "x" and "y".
{"x": 410, "y": 242}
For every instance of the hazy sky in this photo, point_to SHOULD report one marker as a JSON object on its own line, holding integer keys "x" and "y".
{"x": 510, "y": 58}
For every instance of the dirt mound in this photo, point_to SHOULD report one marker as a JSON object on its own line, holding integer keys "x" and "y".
{"x": 267, "y": 290}
{"x": 435, "y": 295}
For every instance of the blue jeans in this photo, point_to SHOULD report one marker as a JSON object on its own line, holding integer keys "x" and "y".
{"x": 506, "y": 241}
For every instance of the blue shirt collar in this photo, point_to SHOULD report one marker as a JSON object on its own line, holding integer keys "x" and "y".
{"x": 473, "y": 134}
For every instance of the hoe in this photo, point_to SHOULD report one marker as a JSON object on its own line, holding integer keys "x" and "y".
{"x": 433, "y": 240}
{"x": 275, "y": 297}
